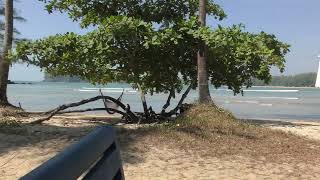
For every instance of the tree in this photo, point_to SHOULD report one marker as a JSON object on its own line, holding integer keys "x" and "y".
{"x": 127, "y": 47}
{"x": 204, "y": 94}
{"x": 4, "y": 61}
{"x": 16, "y": 17}
{"x": 6, "y": 40}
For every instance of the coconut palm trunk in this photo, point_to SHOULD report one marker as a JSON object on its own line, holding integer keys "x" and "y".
{"x": 204, "y": 94}
{"x": 4, "y": 62}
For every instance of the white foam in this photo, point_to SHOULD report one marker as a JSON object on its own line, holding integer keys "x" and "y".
{"x": 112, "y": 90}
{"x": 106, "y": 88}
{"x": 266, "y": 90}
{"x": 266, "y": 105}
{"x": 285, "y": 98}
{"x": 249, "y": 102}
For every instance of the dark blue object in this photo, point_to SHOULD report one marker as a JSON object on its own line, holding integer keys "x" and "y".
{"x": 95, "y": 157}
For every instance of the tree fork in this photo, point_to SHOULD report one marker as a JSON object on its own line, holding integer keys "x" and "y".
{"x": 183, "y": 97}
{"x": 167, "y": 104}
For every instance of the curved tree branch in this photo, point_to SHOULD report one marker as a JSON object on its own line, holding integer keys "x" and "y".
{"x": 55, "y": 111}
{"x": 105, "y": 102}
{"x": 92, "y": 109}
{"x": 165, "y": 106}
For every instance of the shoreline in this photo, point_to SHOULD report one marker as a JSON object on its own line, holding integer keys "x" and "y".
{"x": 65, "y": 82}
{"x": 290, "y": 87}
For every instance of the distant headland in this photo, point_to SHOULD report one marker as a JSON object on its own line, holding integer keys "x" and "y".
{"x": 299, "y": 80}
{"x": 13, "y": 82}
{"x": 50, "y": 78}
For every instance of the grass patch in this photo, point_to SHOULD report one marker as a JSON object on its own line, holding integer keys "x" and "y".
{"x": 8, "y": 111}
{"x": 11, "y": 126}
{"x": 208, "y": 120}
{"x": 213, "y": 131}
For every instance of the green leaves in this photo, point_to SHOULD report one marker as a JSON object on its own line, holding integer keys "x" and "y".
{"x": 94, "y": 12}
{"x": 235, "y": 56}
{"x": 126, "y": 47}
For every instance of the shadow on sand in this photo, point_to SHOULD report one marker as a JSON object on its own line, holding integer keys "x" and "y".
{"x": 54, "y": 138}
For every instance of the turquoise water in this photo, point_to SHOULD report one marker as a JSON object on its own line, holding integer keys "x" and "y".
{"x": 257, "y": 102}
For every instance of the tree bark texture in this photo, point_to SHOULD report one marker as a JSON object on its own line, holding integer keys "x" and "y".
{"x": 4, "y": 62}
{"x": 204, "y": 94}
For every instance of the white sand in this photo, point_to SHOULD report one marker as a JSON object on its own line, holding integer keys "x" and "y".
{"x": 20, "y": 154}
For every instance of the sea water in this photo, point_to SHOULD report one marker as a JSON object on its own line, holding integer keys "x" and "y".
{"x": 256, "y": 103}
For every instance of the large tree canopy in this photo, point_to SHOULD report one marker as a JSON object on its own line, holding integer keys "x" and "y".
{"x": 131, "y": 50}
{"x": 94, "y": 12}
{"x": 153, "y": 45}
{"x": 129, "y": 45}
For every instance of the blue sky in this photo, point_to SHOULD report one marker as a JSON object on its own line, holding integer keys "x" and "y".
{"x": 293, "y": 21}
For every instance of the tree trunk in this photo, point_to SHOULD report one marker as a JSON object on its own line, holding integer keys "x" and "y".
{"x": 144, "y": 102}
{"x": 165, "y": 106}
{"x": 204, "y": 95}
{"x": 183, "y": 97}
{"x": 4, "y": 62}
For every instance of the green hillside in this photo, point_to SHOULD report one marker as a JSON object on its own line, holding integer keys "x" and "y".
{"x": 299, "y": 80}
{"x": 50, "y": 78}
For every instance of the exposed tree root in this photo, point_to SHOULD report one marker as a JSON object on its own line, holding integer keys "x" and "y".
{"x": 131, "y": 117}
{"x": 148, "y": 116}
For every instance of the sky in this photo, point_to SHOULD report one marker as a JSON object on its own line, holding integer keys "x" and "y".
{"x": 293, "y": 21}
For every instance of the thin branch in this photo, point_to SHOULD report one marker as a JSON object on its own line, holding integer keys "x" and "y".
{"x": 92, "y": 109}
{"x": 51, "y": 113}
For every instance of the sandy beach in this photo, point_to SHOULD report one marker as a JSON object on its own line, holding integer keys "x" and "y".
{"x": 308, "y": 129}
{"x": 147, "y": 158}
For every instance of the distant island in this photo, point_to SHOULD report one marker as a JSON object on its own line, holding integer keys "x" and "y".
{"x": 14, "y": 82}
{"x": 50, "y": 78}
{"x": 299, "y": 80}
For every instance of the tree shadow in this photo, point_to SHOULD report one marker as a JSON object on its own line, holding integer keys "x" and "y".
{"x": 53, "y": 139}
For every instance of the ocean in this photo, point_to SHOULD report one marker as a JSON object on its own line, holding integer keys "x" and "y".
{"x": 265, "y": 103}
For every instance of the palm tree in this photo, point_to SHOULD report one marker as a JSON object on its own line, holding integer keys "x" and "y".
{"x": 204, "y": 94}
{"x": 16, "y": 17}
{"x": 7, "y": 46}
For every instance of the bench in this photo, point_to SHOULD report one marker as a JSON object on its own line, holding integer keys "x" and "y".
{"x": 96, "y": 156}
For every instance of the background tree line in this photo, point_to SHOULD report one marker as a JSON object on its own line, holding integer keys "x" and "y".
{"x": 299, "y": 80}
{"x": 50, "y": 78}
